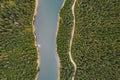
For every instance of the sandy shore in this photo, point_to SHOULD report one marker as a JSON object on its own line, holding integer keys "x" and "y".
{"x": 56, "y": 48}
{"x": 56, "y": 37}
{"x": 33, "y": 28}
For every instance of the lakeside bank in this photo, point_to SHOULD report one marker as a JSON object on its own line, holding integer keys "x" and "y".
{"x": 33, "y": 28}
{"x": 56, "y": 37}
{"x": 63, "y": 40}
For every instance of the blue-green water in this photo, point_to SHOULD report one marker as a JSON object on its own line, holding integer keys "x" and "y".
{"x": 45, "y": 30}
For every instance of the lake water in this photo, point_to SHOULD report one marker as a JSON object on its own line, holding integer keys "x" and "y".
{"x": 45, "y": 30}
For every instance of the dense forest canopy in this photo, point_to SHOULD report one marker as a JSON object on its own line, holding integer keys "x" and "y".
{"x": 18, "y": 53}
{"x": 96, "y": 42}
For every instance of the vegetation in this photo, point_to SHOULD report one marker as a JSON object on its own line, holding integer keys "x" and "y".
{"x": 63, "y": 40}
{"x": 96, "y": 44}
{"x": 18, "y": 54}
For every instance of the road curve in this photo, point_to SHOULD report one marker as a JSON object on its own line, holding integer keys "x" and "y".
{"x": 71, "y": 40}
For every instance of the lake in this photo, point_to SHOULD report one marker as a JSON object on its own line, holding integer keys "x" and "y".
{"x": 45, "y": 31}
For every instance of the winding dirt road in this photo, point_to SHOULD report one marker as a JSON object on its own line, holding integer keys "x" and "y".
{"x": 71, "y": 40}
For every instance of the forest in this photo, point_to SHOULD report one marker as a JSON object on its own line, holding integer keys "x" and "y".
{"x": 96, "y": 44}
{"x": 63, "y": 40}
{"x": 18, "y": 53}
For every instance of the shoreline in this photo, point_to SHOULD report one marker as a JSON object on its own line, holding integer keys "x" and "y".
{"x": 56, "y": 48}
{"x": 56, "y": 38}
{"x": 33, "y": 29}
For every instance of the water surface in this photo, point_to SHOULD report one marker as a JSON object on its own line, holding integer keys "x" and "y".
{"x": 45, "y": 30}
